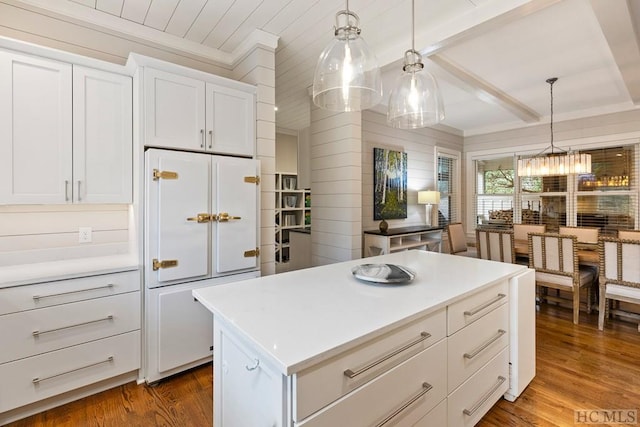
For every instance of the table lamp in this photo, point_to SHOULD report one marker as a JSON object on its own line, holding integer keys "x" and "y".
{"x": 428, "y": 198}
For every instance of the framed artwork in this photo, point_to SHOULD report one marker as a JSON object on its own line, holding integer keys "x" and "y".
{"x": 389, "y": 184}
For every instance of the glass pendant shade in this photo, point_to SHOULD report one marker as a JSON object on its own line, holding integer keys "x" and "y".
{"x": 347, "y": 76}
{"x": 415, "y": 102}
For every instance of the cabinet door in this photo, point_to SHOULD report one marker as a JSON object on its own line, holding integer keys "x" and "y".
{"x": 35, "y": 130}
{"x": 230, "y": 121}
{"x": 238, "y": 197}
{"x": 185, "y": 329}
{"x": 102, "y": 137}
{"x": 173, "y": 111}
{"x": 174, "y": 201}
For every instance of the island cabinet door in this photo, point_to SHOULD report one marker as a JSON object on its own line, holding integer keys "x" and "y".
{"x": 177, "y": 223}
{"x": 236, "y": 187}
{"x": 247, "y": 391}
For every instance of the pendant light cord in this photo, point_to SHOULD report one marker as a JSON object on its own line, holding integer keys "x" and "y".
{"x": 413, "y": 25}
{"x": 551, "y": 81}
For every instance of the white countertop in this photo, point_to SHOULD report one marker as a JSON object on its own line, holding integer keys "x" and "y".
{"x": 305, "y": 316}
{"x": 25, "y": 274}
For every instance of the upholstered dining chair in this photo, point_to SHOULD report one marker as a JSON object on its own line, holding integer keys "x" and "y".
{"x": 555, "y": 259}
{"x": 629, "y": 234}
{"x": 520, "y": 231}
{"x": 619, "y": 276}
{"x": 458, "y": 240}
{"x": 496, "y": 245}
{"x": 584, "y": 234}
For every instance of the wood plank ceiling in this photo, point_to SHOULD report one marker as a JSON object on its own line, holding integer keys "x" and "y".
{"x": 491, "y": 57}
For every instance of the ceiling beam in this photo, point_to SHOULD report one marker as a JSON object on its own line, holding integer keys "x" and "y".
{"x": 485, "y": 91}
{"x": 616, "y": 19}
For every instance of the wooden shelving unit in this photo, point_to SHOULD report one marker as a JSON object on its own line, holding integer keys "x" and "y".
{"x": 293, "y": 211}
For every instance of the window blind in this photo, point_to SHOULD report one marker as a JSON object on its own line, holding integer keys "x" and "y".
{"x": 449, "y": 187}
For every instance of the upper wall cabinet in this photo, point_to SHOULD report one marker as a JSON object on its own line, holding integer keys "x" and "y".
{"x": 186, "y": 113}
{"x": 65, "y": 133}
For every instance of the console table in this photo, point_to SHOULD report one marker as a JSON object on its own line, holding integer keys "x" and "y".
{"x": 377, "y": 242}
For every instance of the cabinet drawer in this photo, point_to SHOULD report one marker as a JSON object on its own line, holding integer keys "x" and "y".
{"x": 38, "y": 331}
{"x": 27, "y": 297}
{"x": 417, "y": 385}
{"x": 476, "y": 396}
{"x": 436, "y": 417}
{"x": 29, "y": 380}
{"x": 321, "y": 385}
{"x": 472, "y": 308}
{"x": 473, "y": 346}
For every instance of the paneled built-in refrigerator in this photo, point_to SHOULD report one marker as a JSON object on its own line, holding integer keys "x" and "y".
{"x": 201, "y": 229}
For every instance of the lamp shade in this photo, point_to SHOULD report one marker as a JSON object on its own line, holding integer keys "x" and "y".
{"x": 428, "y": 197}
{"x": 415, "y": 101}
{"x": 347, "y": 77}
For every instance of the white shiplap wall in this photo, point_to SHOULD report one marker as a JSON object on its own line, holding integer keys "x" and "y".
{"x": 336, "y": 175}
{"x": 419, "y": 145}
{"x": 38, "y": 233}
{"x": 258, "y": 68}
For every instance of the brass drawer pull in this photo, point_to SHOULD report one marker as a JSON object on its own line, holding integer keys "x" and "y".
{"x": 352, "y": 374}
{"x": 484, "y": 398}
{"x": 38, "y": 380}
{"x": 39, "y": 297}
{"x": 491, "y": 340}
{"x": 426, "y": 387}
{"x": 483, "y": 306}
{"x": 36, "y": 334}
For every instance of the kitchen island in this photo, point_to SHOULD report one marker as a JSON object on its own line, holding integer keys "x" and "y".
{"x": 318, "y": 347}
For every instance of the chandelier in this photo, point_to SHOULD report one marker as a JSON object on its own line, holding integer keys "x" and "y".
{"x": 554, "y": 163}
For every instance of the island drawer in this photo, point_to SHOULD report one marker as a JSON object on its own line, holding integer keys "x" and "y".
{"x": 326, "y": 382}
{"x": 39, "y": 377}
{"x": 468, "y": 403}
{"x": 472, "y": 347}
{"x": 436, "y": 417}
{"x": 409, "y": 390}
{"x": 472, "y": 308}
{"x": 28, "y": 297}
{"x": 38, "y": 331}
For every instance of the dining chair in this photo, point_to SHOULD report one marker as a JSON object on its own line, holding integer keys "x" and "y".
{"x": 495, "y": 245}
{"x": 584, "y": 234}
{"x": 520, "y": 231}
{"x": 619, "y": 277}
{"x": 555, "y": 259}
{"x": 629, "y": 234}
{"x": 458, "y": 240}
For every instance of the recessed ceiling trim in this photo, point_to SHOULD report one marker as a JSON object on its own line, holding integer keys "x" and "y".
{"x": 618, "y": 29}
{"x": 485, "y": 91}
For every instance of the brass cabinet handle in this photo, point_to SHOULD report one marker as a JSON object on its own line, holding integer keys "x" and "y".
{"x": 202, "y": 217}
{"x": 36, "y": 334}
{"x": 426, "y": 387}
{"x": 483, "y": 306}
{"x": 38, "y": 380}
{"x": 484, "y": 398}
{"x": 352, "y": 374}
{"x": 490, "y": 341}
{"x": 39, "y": 297}
{"x": 224, "y": 217}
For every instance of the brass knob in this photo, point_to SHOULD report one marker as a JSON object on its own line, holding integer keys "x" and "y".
{"x": 201, "y": 217}
{"x": 224, "y": 217}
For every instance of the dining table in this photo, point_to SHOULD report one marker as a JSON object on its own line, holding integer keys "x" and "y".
{"x": 587, "y": 252}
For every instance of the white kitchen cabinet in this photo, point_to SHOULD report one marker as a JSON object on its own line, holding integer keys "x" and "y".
{"x": 65, "y": 133}
{"x": 102, "y": 137}
{"x": 67, "y": 336}
{"x": 35, "y": 129}
{"x": 187, "y": 113}
{"x": 420, "y": 354}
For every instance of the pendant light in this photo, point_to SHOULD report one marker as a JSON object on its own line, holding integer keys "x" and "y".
{"x": 415, "y": 102}
{"x": 347, "y": 76}
{"x": 554, "y": 163}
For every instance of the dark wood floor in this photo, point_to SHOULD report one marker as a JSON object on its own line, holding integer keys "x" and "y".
{"x": 578, "y": 368}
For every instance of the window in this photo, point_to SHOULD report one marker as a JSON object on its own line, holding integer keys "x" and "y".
{"x": 448, "y": 184}
{"x": 495, "y": 188}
